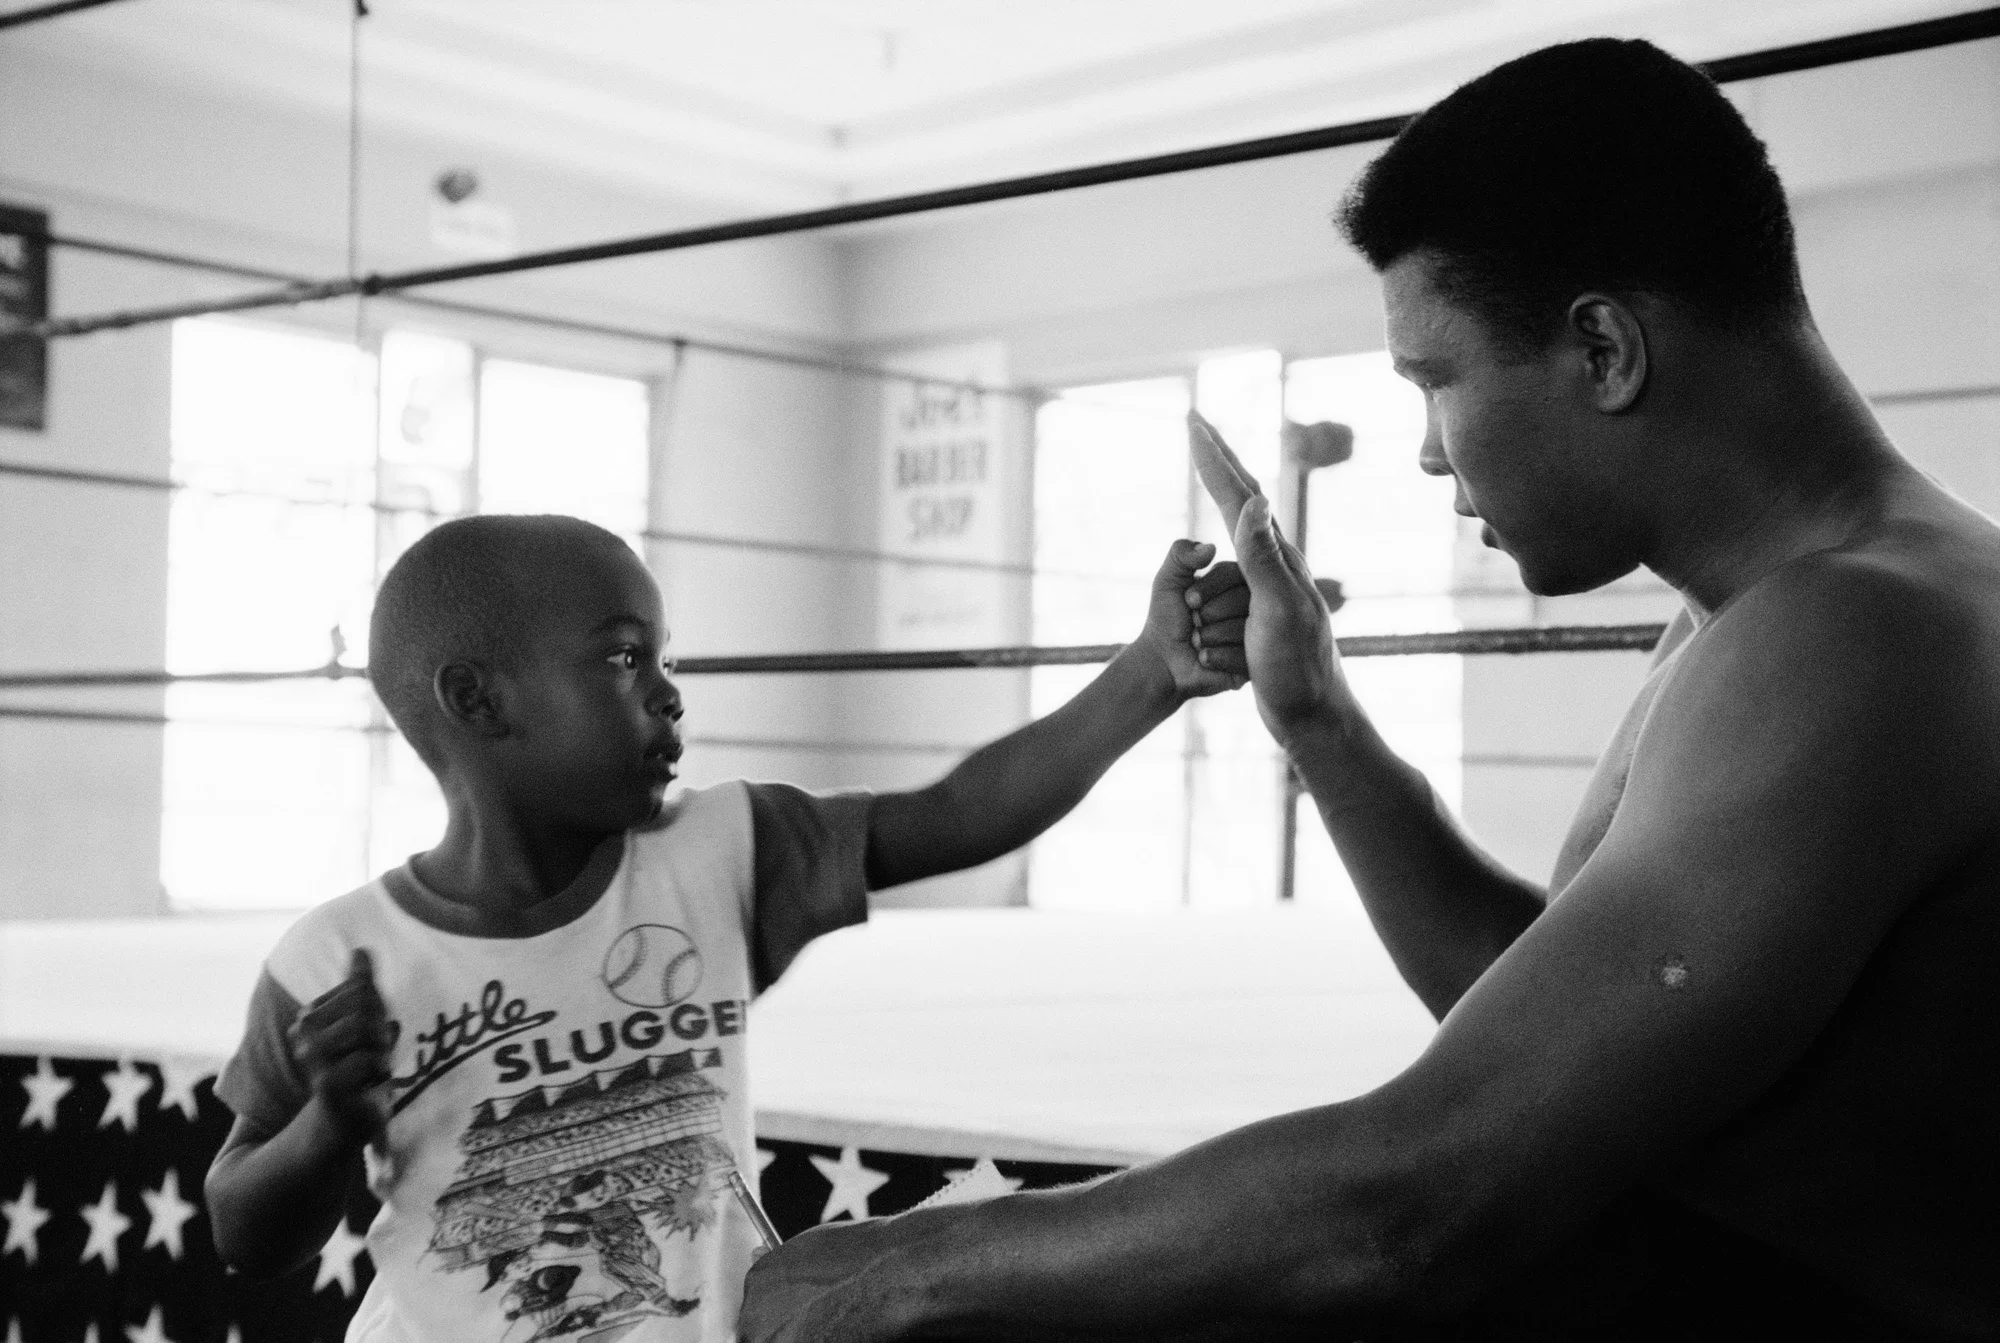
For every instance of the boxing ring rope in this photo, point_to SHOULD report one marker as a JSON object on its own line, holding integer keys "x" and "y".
{"x": 1475, "y": 642}
{"x": 1896, "y": 40}
{"x": 573, "y": 325}
{"x": 22, "y": 17}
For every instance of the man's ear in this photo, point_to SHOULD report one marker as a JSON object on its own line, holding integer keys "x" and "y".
{"x": 467, "y": 695}
{"x": 1614, "y": 347}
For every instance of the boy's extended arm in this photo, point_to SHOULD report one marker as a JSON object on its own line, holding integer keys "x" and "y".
{"x": 274, "y": 1196}
{"x": 1011, "y": 790}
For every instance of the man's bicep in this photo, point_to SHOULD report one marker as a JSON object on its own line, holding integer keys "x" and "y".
{"x": 1773, "y": 828}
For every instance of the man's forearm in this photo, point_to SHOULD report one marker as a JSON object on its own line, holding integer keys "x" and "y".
{"x": 1011, "y": 790}
{"x": 274, "y": 1203}
{"x": 1443, "y": 908}
{"x": 1309, "y": 1217}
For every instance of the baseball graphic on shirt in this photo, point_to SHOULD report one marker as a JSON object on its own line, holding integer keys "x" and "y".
{"x": 652, "y": 965}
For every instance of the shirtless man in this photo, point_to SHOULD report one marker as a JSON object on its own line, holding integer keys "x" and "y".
{"x": 1733, "y": 1074}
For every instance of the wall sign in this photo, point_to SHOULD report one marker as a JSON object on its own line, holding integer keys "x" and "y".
{"x": 24, "y": 299}
{"x": 942, "y": 495}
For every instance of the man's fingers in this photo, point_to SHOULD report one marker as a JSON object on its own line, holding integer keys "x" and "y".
{"x": 1222, "y": 475}
{"x": 361, "y": 966}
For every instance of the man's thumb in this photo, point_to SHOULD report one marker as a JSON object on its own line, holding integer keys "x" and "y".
{"x": 1257, "y": 541}
{"x": 361, "y": 965}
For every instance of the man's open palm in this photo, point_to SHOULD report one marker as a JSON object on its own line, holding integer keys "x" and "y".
{"x": 1287, "y": 636}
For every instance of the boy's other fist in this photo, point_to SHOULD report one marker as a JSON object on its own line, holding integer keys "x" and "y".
{"x": 342, "y": 1041}
{"x": 1194, "y": 621}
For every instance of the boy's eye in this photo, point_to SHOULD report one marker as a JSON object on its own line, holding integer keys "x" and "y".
{"x": 625, "y": 659}
{"x": 670, "y": 665}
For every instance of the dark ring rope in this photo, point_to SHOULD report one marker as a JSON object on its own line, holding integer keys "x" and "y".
{"x": 43, "y": 713}
{"x": 54, "y": 714}
{"x": 1901, "y": 38}
{"x": 22, "y": 17}
{"x": 808, "y": 549}
{"x": 1479, "y": 642}
{"x": 571, "y": 324}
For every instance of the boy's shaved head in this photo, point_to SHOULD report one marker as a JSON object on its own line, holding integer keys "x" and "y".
{"x": 470, "y": 590}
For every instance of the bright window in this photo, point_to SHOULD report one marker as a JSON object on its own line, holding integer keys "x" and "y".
{"x": 279, "y": 795}
{"x": 1193, "y": 816}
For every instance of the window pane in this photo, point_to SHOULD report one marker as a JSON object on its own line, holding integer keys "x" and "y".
{"x": 266, "y": 816}
{"x": 1111, "y": 491}
{"x": 556, "y": 441}
{"x": 1386, "y": 531}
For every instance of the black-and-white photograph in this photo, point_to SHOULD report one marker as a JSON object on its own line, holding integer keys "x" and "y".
{"x": 1311, "y": 669}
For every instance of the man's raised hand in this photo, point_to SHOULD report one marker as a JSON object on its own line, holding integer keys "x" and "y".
{"x": 342, "y": 1041}
{"x": 1286, "y": 634}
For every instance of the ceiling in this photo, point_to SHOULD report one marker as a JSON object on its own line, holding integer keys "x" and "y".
{"x": 757, "y": 105}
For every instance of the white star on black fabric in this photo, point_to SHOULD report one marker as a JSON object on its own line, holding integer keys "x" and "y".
{"x": 336, "y": 1261}
{"x": 126, "y": 1085}
{"x": 45, "y": 1088}
{"x": 24, "y": 1222}
{"x": 107, "y": 1224}
{"x": 153, "y": 1331}
{"x": 179, "y": 1078}
{"x": 852, "y": 1184}
{"x": 168, "y": 1212}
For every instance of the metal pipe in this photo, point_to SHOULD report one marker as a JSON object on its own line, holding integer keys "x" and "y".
{"x": 1896, "y": 40}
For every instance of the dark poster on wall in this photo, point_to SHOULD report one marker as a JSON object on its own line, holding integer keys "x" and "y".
{"x": 24, "y": 300}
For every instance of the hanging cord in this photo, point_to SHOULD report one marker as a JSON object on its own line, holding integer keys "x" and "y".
{"x": 354, "y": 168}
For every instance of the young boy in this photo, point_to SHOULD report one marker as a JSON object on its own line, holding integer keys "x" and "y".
{"x": 531, "y": 1035}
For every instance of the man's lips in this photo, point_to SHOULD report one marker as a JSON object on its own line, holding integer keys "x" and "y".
{"x": 661, "y": 759}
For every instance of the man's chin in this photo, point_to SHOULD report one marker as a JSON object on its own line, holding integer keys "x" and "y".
{"x": 1551, "y": 581}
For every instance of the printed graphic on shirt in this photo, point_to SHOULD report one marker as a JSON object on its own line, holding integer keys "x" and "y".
{"x": 580, "y": 1201}
{"x": 652, "y": 965}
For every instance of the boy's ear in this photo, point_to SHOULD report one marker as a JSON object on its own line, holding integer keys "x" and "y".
{"x": 466, "y": 693}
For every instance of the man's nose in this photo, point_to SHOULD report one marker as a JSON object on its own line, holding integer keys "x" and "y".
{"x": 1430, "y": 458}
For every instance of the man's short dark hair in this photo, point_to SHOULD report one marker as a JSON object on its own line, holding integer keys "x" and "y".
{"x": 1601, "y": 164}
{"x": 466, "y": 592}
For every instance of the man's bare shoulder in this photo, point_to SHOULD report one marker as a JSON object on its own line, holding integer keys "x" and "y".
{"x": 1913, "y": 600}
{"x": 1864, "y": 671}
